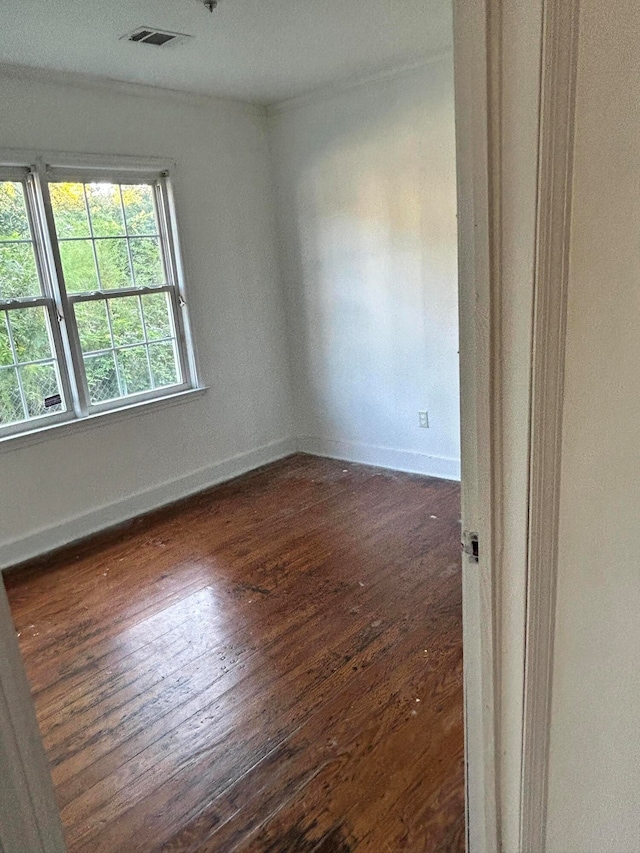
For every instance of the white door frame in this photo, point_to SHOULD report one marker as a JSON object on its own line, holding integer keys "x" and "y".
{"x": 515, "y": 89}
{"x": 515, "y": 78}
{"x": 553, "y": 233}
{"x": 29, "y": 818}
{"x": 474, "y": 265}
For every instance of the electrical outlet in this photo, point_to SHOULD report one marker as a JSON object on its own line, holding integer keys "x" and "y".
{"x": 423, "y": 420}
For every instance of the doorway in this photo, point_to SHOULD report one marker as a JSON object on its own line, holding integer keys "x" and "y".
{"x": 499, "y": 89}
{"x": 135, "y": 649}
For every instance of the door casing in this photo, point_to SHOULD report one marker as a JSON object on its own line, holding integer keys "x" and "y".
{"x": 515, "y": 66}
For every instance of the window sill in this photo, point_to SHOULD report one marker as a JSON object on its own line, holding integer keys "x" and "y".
{"x": 35, "y": 436}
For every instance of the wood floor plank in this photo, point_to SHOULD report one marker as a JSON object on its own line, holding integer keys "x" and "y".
{"x": 254, "y": 728}
{"x": 257, "y": 716}
{"x": 239, "y": 672}
{"x": 121, "y": 609}
{"x": 372, "y": 749}
{"x": 300, "y": 650}
{"x": 273, "y": 628}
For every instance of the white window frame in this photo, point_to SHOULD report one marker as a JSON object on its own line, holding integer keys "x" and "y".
{"x": 36, "y": 170}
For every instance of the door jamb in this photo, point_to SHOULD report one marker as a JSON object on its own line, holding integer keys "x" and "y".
{"x": 553, "y": 233}
{"x": 475, "y": 103}
{"x": 29, "y": 817}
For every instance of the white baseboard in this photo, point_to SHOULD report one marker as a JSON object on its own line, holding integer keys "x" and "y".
{"x": 383, "y": 457}
{"x": 47, "y": 539}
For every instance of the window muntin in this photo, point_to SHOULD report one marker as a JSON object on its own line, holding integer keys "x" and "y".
{"x": 108, "y": 235}
{"x": 31, "y": 386}
{"x": 111, "y": 246}
{"x": 98, "y": 295}
{"x": 128, "y": 345}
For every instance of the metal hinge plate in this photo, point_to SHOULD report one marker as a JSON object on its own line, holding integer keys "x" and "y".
{"x": 470, "y": 546}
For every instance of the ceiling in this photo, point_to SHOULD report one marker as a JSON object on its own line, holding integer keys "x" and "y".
{"x": 263, "y": 51}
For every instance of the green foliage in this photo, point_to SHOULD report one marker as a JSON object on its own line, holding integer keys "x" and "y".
{"x": 79, "y": 266}
{"x": 122, "y": 221}
{"x": 10, "y": 401}
{"x": 102, "y": 377}
{"x": 6, "y": 355}
{"x": 163, "y": 364}
{"x": 27, "y": 328}
{"x": 147, "y": 261}
{"x": 120, "y": 323}
{"x": 14, "y": 223}
{"x": 18, "y": 274}
{"x": 113, "y": 264}
{"x": 70, "y": 210}
{"x": 30, "y": 335}
{"x": 156, "y": 316}
{"x": 39, "y": 381}
{"x": 126, "y": 321}
{"x": 93, "y": 326}
{"x": 139, "y": 209}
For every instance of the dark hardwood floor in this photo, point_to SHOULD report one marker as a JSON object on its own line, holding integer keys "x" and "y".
{"x": 272, "y": 666}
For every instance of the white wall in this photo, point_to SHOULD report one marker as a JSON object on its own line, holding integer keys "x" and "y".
{"x": 595, "y": 732}
{"x": 367, "y": 245}
{"x": 69, "y": 485}
{"x": 367, "y": 215}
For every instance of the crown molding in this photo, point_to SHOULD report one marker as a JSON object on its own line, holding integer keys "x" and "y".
{"x": 91, "y": 82}
{"x": 339, "y": 87}
{"x": 14, "y": 71}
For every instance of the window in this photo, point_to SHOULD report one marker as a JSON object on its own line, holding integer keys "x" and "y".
{"x": 92, "y": 314}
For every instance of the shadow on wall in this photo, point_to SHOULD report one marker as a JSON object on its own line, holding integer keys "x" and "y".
{"x": 368, "y": 216}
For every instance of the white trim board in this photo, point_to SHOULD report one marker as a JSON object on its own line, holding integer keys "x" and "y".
{"x": 382, "y": 457}
{"x": 30, "y": 819}
{"x": 81, "y": 526}
{"x": 555, "y": 177}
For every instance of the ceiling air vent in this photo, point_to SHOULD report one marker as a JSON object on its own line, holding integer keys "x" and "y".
{"x": 158, "y": 38}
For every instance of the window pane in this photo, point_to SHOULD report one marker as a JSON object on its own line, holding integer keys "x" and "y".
{"x": 126, "y": 321}
{"x": 18, "y": 272}
{"x": 139, "y": 209}
{"x": 102, "y": 378}
{"x": 113, "y": 263}
{"x": 156, "y": 315}
{"x": 93, "y": 326}
{"x": 69, "y": 210}
{"x": 10, "y": 401}
{"x": 78, "y": 266}
{"x": 28, "y": 328}
{"x": 105, "y": 210}
{"x": 163, "y": 364}
{"x": 39, "y": 382}
{"x": 6, "y": 354}
{"x": 14, "y": 223}
{"x": 30, "y": 334}
{"x": 147, "y": 261}
{"x": 134, "y": 370}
